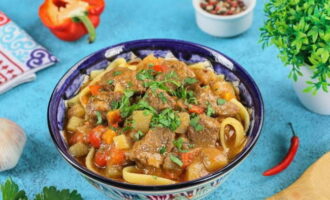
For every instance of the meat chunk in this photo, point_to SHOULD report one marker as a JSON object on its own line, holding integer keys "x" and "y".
{"x": 177, "y": 71}
{"x": 159, "y": 99}
{"x": 101, "y": 103}
{"x": 205, "y": 97}
{"x": 208, "y": 136}
{"x": 146, "y": 151}
{"x": 125, "y": 78}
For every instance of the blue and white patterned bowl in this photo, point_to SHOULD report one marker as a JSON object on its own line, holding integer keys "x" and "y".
{"x": 188, "y": 52}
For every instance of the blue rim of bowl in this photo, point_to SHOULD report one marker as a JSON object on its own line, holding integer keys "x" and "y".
{"x": 144, "y": 188}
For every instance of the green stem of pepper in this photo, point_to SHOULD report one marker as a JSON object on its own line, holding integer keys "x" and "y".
{"x": 88, "y": 25}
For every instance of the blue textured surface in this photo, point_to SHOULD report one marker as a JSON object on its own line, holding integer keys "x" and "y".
{"x": 41, "y": 165}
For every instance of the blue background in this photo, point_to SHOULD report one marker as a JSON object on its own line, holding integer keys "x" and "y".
{"x": 41, "y": 165}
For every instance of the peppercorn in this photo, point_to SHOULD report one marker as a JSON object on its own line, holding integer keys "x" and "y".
{"x": 223, "y": 7}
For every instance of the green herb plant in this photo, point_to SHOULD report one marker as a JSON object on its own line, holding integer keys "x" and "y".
{"x": 300, "y": 29}
{"x": 11, "y": 191}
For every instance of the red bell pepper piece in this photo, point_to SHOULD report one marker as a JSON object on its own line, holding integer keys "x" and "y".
{"x": 160, "y": 68}
{"x": 71, "y": 19}
{"x": 195, "y": 109}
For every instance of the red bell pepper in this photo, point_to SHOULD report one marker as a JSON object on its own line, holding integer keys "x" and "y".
{"x": 71, "y": 19}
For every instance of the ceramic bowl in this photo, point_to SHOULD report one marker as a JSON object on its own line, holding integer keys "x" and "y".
{"x": 224, "y": 26}
{"x": 184, "y": 51}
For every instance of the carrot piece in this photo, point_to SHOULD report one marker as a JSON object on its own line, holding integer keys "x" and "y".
{"x": 160, "y": 68}
{"x": 196, "y": 109}
{"x": 95, "y": 136}
{"x": 95, "y": 89}
{"x": 100, "y": 159}
{"x": 228, "y": 96}
{"x": 108, "y": 136}
{"x": 117, "y": 156}
{"x": 113, "y": 118}
{"x": 188, "y": 157}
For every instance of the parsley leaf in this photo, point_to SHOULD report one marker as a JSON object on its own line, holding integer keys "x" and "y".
{"x": 179, "y": 144}
{"x": 162, "y": 97}
{"x": 10, "y": 191}
{"x": 187, "y": 95}
{"x": 194, "y": 122}
{"x": 162, "y": 150}
{"x": 145, "y": 74}
{"x": 138, "y": 135}
{"x": 221, "y": 101}
{"x": 167, "y": 118}
{"x": 99, "y": 117}
{"x": 110, "y": 82}
{"x": 51, "y": 193}
{"x": 176, "y": 160}
{"x": 209, "y": 110}
{"x": 190, "y": 80}
{"x": 116, "y": 73}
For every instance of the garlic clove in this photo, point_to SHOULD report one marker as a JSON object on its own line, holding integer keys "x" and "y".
{"x": 12, "y": 141}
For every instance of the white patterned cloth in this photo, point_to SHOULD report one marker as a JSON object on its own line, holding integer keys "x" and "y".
{"x": 20, "y": 55}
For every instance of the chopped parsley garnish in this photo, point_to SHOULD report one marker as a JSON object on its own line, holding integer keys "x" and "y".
{"x": 190, "y": 80}
{"x": 190, "y": 146}
{"x": 162, "y": 97}
{"x": 179, "y": 144}
{"x": 138, "y": 135}
{"x": 129, "y": 84}
{"x": 99, "y": 117}
{"x": 115, "y": 105}
{"x": 194, "y": 122}
{"x": 209, "y": 110}
{"x": 162, "y": 150}
{"x": 171, "y": 74}
{"x": 150, "y": 65}
{"x": 187, "y": 95}
{"x": 145, "y": 74}
{"x": 110, "y": 82}
{"x": 221, "y": 101}
{"x": 154, "y": 177}
{"x": 167, "y": 118}
{"x": 160, "y": 84}
{"x": 116, "y": 73}
{"x": 127, "y": 128}
{"x": 176, "y": 160}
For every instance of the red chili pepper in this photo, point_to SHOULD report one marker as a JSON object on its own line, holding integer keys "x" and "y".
{"x": 288, "y": 158}
{"x": 70, "y": 20}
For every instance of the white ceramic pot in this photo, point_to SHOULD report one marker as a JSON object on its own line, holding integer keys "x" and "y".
{"x": 224, "y": 26}
{"x": 319, "y": 103}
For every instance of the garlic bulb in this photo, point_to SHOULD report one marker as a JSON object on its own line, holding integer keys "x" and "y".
{"x": 12, "y": 141}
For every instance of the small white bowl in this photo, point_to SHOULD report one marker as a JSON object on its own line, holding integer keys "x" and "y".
{"x": 224, "y": 26}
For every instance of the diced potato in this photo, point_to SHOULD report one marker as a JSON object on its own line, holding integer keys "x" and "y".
{"x": 95, "y": 73}
{"x": 141, "y": 120}
{"x": 76, "y": 110}
{"x": 195, "y": 171}
{"x": 185, "y": 120}
{"x": 113, "y": 171}
{"x": 79, "y": 149}
{"x": 74, "y": 122}
{"x": 214, "y": 159}
{"x": 121, "y": 142}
